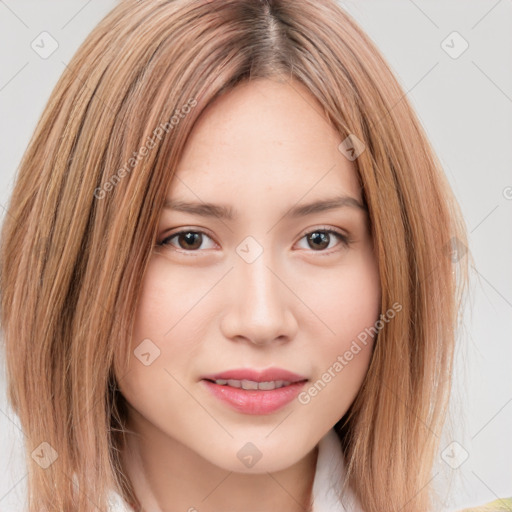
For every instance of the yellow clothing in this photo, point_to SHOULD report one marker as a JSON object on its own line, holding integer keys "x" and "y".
{"x": 500, "y": 505}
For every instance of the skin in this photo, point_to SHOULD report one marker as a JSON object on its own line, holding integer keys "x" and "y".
{"x": 262, "y": 148}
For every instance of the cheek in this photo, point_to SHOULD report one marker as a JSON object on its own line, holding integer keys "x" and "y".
{"x": 163, "y": 344}
{"x": 349, "y": 307}
{"x": 346, "y": 300}
{"x": 167, "y": 302}
{"x": 157, "y": 302}
{"x": 163, "y": 347}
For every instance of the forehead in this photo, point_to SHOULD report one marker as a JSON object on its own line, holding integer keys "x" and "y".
{"x": 264, "y": 139}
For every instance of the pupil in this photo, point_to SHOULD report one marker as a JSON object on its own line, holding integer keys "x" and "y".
{"x": 318, "y": 236}
{"x": 189, "y": 240}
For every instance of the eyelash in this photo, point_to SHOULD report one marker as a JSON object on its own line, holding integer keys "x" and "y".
{"x": 345, "y": 240}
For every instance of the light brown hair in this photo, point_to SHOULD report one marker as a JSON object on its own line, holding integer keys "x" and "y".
{"x": 82, "y": 221}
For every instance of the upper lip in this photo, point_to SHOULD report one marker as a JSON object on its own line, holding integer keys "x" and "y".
{"x": 266, "y": 375}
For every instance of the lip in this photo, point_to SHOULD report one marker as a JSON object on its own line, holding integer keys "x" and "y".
{"x": 251, "y": 401}
{"x": 267, "y": 374}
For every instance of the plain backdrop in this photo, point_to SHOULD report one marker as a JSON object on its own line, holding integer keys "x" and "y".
{"x": 463, "y": 97}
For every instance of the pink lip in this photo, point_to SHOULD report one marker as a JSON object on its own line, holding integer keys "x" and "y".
{"x": 255, "y": 401}
{"x": 257, "y": 375}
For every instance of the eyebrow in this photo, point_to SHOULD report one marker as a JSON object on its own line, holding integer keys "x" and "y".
{"x": 227, "y": 212}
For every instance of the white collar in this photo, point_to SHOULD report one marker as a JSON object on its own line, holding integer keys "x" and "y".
{"x": 329, "y": 474}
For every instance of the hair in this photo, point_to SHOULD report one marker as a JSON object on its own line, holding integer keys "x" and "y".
{"x": 82, "y": 222}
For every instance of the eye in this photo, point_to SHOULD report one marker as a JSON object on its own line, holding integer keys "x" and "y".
{"x": 190, "y": 240}
{"x": 187, "y": 240}
{"x": 320, "y": 238}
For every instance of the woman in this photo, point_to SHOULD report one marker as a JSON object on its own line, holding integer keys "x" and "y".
{"x": 175, "y": 336}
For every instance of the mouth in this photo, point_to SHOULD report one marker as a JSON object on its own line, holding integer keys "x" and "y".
{"x": 255, "y": 392}
{"x": 253, "y": 385}
{"x": 252, "y": 375}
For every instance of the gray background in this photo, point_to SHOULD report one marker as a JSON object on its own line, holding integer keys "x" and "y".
{"x": 465, "y": 105}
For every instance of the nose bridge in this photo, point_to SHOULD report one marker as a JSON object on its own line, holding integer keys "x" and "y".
{"x": 259, "y": 310}
{"x": 262, "y": 288}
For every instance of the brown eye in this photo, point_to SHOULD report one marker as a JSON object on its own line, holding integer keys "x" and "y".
{"x": 190, "y": 240}
{"x": 320, "y": 239}
{"x": 187, "y": 240}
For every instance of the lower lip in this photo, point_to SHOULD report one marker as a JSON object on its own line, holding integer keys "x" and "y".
{"x": 254, "y": 401}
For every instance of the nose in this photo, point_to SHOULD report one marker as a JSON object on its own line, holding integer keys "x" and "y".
{"x": 260, "y": 304}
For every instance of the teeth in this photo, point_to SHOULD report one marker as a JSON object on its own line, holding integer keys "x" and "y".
{"x": 251, "y": 384}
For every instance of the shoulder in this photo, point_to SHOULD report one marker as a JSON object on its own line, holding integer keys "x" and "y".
{"x": 499, "y": 505}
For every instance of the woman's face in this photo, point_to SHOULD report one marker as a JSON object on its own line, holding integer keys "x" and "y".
{"x": 270, "y": 287}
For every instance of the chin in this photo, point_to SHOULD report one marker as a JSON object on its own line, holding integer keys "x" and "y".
{"x": 255, "y": 456}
